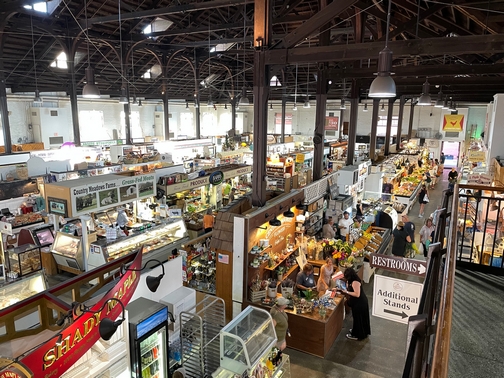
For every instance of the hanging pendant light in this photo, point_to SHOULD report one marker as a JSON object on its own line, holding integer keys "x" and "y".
{"x": 135, "y": 101}
{"x": 382, "y": 107}
{"x": 343, "y": 106}
{"x": 90, "y": 90}
{"x": 307, "y": 104}
{"x": 294, "y": 107}
{"x": 383, "y": 86}
{"x": 445, "y": 103}
{"x": 37, "y": 99}
{"x": 365, "y": 107}
{"x": 139, "y": 103}
{"x": 425, "y": 98}
{"x": 271, "y": 106}
{"x": 210, "y": 103}
{"x": 244, "y": 99}
{"x": 124, "y": 97}
{"x": 439, "y": 100}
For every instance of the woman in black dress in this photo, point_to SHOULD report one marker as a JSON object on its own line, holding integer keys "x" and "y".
{"x": 358, "y": 302}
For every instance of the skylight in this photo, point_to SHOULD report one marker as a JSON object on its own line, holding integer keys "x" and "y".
{"x": 152, "y": 72}
{"x": 274, "y": 82}
{"x": 158, "y": 25}
{"x": 208, "y": 80}
{"x": 38, "y": 7}
{"x": 222, "y": 47}
{"x": 60, "y": 61}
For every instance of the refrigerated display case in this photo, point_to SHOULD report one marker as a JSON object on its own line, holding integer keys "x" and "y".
{"x": 148, "y": 331}
{"x": 68, "y": 252}
{"x": 24, "y": 259}
{"x": 158, "y": 240}
{"x": 16, "y": 291}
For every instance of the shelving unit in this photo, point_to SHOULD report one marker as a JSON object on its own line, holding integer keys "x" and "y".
{"x": 280, "y": 173}
{"x": 281, "y": 261}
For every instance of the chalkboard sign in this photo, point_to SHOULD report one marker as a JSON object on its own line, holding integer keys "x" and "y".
{"x": 17, "y": 188}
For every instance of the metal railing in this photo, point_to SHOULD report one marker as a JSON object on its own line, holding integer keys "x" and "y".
{"x": 429, "y": 330}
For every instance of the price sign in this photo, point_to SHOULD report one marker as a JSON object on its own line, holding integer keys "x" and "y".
{"x": 300, "y": 158}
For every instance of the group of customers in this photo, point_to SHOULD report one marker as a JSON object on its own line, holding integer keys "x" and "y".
{"x": 343, "y": 227}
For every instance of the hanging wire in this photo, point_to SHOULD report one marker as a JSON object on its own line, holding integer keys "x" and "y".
{"x": 244, "y": 38}
{"x": 87, "y": 39}
{"x": 388, "y": 23}
{"x": 120, "y": 43}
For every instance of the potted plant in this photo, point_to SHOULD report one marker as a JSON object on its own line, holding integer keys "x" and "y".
{"x": 280, "y": 271}
{"x": 287, "y": 288}
{"x": 272, "y": 289}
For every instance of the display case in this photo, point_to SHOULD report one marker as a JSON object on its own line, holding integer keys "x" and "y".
{"x": 246, "y": 339}
{"x": 106, "y": 218}
{"x": 24, "y": 259}
{"x": 16, "y": 291}
{"x": 164, "y": 238}
{"x": 68, "y": 252}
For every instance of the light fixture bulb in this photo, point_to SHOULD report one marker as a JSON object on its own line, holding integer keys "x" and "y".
{"x": 425, "y": 98}
{"x": 271, "y": 106}
{"x": 307, "y": 104}
{"x": 210, "y": 103}
{"x": 124, "y": 98}
{"x": 37, "y": 99}
{"x": 294, "y": 107}
{"x": 383, "y": 86}
{"x": 244, "y": 99}
{"x": 187, "y": 104}
{"x": 343, "y": 106}
{"x": 382, "y": 107}
{"x": 365, "y": 107}
{"x": 90, "y": 90}
{"x": 439, "y": 101}
{"x": 139, "y": 103}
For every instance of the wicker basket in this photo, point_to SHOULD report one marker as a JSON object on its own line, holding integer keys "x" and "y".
{"x": 256, "y": 296}
{"x": 130, "y": 160}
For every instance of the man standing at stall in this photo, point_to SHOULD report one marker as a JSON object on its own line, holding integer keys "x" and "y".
{"x": 344, "y": 225}
{"x": 328, "y": 230}
{"x": 401, "y": 238}
{"x": 409, "y": 227}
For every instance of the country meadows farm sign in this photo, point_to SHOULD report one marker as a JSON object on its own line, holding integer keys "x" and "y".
{"x": 111, "y": 192}
{"x": 52, "y": 359}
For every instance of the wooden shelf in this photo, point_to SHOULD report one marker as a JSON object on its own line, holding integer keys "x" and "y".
{"x": 262, "y": 251}
{"x": 281, "y": 261}
{"x": 288, "y": 273}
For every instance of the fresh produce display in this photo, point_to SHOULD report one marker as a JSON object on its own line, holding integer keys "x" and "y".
{"x": 406, "y": 189}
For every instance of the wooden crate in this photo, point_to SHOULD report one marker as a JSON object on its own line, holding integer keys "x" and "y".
{"x": 256, "y": 296}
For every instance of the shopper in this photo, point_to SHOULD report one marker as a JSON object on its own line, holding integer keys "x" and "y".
{"x": 344, "y": 225}
{"x": 328, "y": 229}
{"x": 358, "y": 302}
{"x": 452, "y": 178}
{"x": 426, "y": 235}
{"x": 325, "y": 282}
{"x": 231, "y": 195}
{"x": 409, "y": 227}
{"x": 305, "y": 279}
{"x": 423, "y": 198}
{"x": 280, "y": 321}
{"x": 401, "y": 238}
{"x": 359, "y": 213}
{"x": 435, "y": 215}
{"x": 442, "y": 160}
{"x": 208, "y": 221}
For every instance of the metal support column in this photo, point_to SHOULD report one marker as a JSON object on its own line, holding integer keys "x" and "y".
{"x": 4, "y": 112}
{"x": 402, "y": 101}
{"x": 282, "y": 130}
{"x": 389, "y": 125}
{"x": 233, "y": 115}
{"x": 374, "y": 128}
{"x": 74, "y": 104}
{"x": 127, "y": 122}
{"x": 197, "y": 96}
{"x": 320, "y": 118}
{"x": 352, "y": 129}
{"x": 166, "y": 115}
{"x": 412, "y": 113}
{"x": 262, "y": 33}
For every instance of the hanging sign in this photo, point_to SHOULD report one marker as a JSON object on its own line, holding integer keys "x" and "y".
{"x": 216, "y": 178}
{"x": 300, "y": 158}
{"x": 453, "y": 122}
{"x": 395, "y": 299}
{"x": 52, "y": 360}
{"x": 331, "y": 123}
{"x": 398, "y": 264}
{"x": 476, "y": 156}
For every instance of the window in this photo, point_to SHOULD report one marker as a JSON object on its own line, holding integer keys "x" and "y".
{"x": 186, "y": 127}
{"x": 136, "y": 129}
{"x": 209, "y": 80}
{"x": 274, "y": 82}
{"x": 38, "y": 7}
{"x": 225, "y": 123}
{"x": 92, "y": 126}
{"x": 209, "y": 124}
{"x": 382, "y": 126}
{"x": 152, "y": 72}
{"x": 60, "y": 61}
{"x": 222, "y": 47}
{"x": 158, "y": 25}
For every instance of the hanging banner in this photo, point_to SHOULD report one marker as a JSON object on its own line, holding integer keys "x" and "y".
{"x": 51, "y": 359}
{"x": 331, "y": 123}
{"x": 453, "y": 122}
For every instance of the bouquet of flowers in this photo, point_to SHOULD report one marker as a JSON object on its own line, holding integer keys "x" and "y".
{"x": 347, "y": 262}
{"x": 328, "y": 247}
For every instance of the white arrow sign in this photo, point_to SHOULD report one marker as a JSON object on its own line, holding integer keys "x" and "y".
{"x": 395, "y": 299}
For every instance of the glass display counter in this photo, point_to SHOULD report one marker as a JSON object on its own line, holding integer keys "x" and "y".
{"x": 16, "y": 291}
{"x": 106, "y": 218}
{"x": 68, "y": 252}
{"x": 24, "y": 259}
{"x": 246, "y": 340}
{"x": 161, "y": 238}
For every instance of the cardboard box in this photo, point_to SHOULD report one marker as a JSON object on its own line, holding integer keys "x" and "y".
{"x": 80, "y": 166}
{"x": 288, "y": 139}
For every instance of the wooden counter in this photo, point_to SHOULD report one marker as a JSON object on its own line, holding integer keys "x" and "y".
{"x": 309, "y": 332}
{"x": 312, "y": 334}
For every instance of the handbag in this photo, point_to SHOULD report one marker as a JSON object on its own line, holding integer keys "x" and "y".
{"x": 426, "y": 198}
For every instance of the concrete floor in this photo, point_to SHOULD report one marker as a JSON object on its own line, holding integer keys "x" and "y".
{"x": 383, "y": 353}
